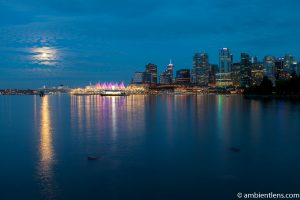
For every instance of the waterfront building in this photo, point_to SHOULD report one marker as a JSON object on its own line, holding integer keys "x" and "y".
{"x": 200, "y": 70}
{"x": 225, "y": 60}
{"x": 254, "y": 60}
{"x": 279, "y": 68}
{"x": 223, "y": 78}
{"x": 288, "y": 63}
{"x": 167, "y": 76}
{"x": 236, "y": 74}
{"x": 147, "y": 78}
{"x": 257, "y": 73}
{"x": 152, "y": 70}
{"x": 297, "y": 68}
{"x": 257, "y": 76}
{"x": 183, "y": 76}
{"x": 213, "y": 68}
{"x": 245, "y": 70}
{"x": 139, "y": 78}
{"x": 294, "y": 67}
{"x": 169, "y": 70}
{"x": 257, "y": 65}
{"x": 269, "y": 67}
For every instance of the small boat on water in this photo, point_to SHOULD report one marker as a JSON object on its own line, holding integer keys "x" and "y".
{"x": 113, "y": 93}
{"x": 234, "y": 149}
{"x": 92, "y": 157}
{"x": 42, "y": 94}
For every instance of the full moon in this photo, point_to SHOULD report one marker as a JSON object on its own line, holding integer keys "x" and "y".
{"x": 45, "y": 56}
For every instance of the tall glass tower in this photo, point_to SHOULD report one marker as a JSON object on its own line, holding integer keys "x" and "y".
{"x": 245, "y": 70}
{"x": 225, "y": 60}
{"x": 152, "y": 70}
{"x": 269, "y": 68}
{"x": 200, "y": 71}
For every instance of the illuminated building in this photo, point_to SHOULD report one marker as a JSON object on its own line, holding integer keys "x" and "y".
{"x": 98, "y": 88}
{"x": 269, "y": 67}
{"x": 167, "y": 76}
{"x": 257, "y": 73}
{"x": 200, "y": 71}
{"x": 165, "y": 79}
{"x": 288, "y": 62}
{"x": 297, "y": 68}
{"x": 225, "y": 60}
{"x": 152, "y": 70}
{"x": 183, "y": 76}
{"x": 147, "y": 78}
{"x": 213, "y": 68}
{"x": 139, "y": 78}
{"x": 236, "y": 74}
{"x": 254, "y": 60}
{"x": 223, "y": 78}
{"x": 110, "y": 86}
{"x": 294, "y": 67}
{"x": 169, "y": 71}
{"x": 279, "y": 68}
{"x": 245, "y": 69}
{"x": 257, "y": 76}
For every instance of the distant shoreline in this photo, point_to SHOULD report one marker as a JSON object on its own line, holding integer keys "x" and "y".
{"x": 253, "y": 97}
{"x": 273, "y": 96}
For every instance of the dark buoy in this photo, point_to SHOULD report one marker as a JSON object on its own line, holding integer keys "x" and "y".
{"x": 92, "y": 157}
{"x": 42, "y": 93}
{"x": 234, "y": 149}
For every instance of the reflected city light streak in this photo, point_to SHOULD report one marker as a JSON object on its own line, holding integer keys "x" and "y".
{"x": 88, "y": 113}
{"x": 35, "y": 110}
{"x": 114, "y": 117}
{"x": 107, "y": 113}
{"x": 220, "y": 115}
{"x": 79, "y": 112}
{"x": 46, "y": 150}
{"x": 135, "y": 112}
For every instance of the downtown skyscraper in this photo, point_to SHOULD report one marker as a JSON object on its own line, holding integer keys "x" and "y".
{"x": 152, "y": 70}
{"x": 269, "y": 67}
{"x": 223, "y": 77}
{"x": 167, "y": 76}
{"x": 200, "y": 70}
{"x": 245, "y": 70}
{"x": 225, "y": 60}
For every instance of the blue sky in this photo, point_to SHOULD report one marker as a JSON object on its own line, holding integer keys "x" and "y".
{"x": 48, "y": 42}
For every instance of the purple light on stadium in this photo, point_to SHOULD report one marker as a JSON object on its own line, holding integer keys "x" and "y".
{"x": 104, "y": 86}
{"x": 110, "y": 86}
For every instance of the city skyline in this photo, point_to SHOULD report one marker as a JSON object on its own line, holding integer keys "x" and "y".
{"x": 76, "y": 42}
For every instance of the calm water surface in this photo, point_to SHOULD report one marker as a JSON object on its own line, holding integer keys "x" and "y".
{"x": 149, "y": 147}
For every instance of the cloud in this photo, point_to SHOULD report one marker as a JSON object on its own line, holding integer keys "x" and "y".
{"x": 116, "y": 37}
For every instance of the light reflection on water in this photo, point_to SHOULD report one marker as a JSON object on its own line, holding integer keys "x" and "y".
{"x": 185, "y": 138}
{"x": 90, "y": 112}
{"x": 46, "y": 151}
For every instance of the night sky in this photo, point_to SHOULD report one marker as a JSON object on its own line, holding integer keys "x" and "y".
{"x": 49, "y": 42}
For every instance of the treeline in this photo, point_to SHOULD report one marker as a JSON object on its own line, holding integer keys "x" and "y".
{"x": 283, "y": 87}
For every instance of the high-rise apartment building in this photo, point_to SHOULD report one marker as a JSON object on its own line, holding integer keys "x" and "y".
{"x": 183, "y": 76}
{"x": 152, "y": 70}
